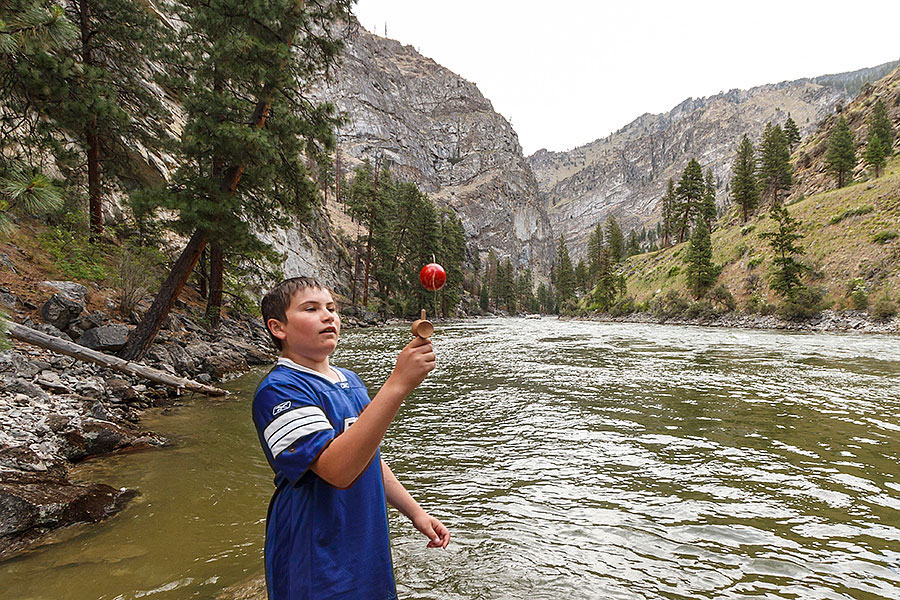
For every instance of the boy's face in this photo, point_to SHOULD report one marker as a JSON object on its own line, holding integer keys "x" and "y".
{"x": 312, "y": 325}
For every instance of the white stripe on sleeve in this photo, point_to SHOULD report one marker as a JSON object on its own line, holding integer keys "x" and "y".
{"x": 294, "y": 424}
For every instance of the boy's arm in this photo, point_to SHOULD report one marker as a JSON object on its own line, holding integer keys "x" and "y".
{"x": 397, "y": 496}
{"x": 350, "y": 453}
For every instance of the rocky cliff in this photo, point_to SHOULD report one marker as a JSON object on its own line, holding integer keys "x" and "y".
{"x": 626, "y": 173}
{"x": 434, "y": 128}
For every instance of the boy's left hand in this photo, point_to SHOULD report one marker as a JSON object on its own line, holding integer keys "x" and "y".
{"x": 434, "y": 530}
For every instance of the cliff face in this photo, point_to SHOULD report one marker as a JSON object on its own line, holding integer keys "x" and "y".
{"x": 434, "y": 128}
{"x": 626, "y": 173}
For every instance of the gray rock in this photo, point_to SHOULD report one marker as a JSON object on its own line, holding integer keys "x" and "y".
{"x": 60, "y": 310}
{"x": 106, "y": 338}
{"x": 9, "y": 300}
{"x": 181, "y": 360}
{"x": 91, "y": 387}
{"x": 71, "y": 289}
{"x": 21, "y": 459}
{"x": 50, "y": 380}
{"x": 8, "y": 263}
{"x": 17, "y": 385}
{"x": 121, "y": 389}
{"x": 225, "y": 363}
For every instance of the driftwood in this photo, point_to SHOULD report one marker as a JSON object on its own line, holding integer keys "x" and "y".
{"x": 32, "y": 336}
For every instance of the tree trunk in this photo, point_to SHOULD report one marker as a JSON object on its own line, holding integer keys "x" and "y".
{"x": 32, "y": 336}
{"x": 204, "y": 273}
{"x": 144, "y": 334}
{"x": 216, "y": 269}
{"x": 91, "y": 138}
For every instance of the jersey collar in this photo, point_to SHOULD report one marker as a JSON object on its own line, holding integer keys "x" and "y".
{"x": 286, "y": 362}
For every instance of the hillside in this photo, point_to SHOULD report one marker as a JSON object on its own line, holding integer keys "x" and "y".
{"x": 839, "y": 227}
{"x": 626, "y": 173}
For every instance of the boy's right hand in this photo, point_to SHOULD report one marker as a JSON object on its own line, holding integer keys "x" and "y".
{"x": 414, "y": 362}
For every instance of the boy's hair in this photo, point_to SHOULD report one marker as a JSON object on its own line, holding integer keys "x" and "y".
{"x": 275, "y": 303}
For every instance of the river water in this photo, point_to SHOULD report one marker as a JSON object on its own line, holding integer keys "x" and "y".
{"x": 570, "y": 460}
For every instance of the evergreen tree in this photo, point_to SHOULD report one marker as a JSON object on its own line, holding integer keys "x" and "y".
{"x": 246, "y": 74}
{"x": 783, "y": 240}
{"x": 689, "y": 196}
{"x": 791, "y": 133}
{"x": 880, "y": 125}
{"x": 484, "y": 300}
{"x": 525, "y": 291}
{"x": 701, "y": 272}
{"x": 667, "y": 226}
{"x": 633, "y": 246}
{"x": 744, "y": 189}
{"x": 774, "y": 162}
{"x": 544, "y": 299}
{"x": 841, "y": 155}
{"x": 582, "y": 276}
{"x": 610, "y": 285}
{"x": 490, "y": 276}
{"x": 875, "y": 155}
{"x": 615, "y": 241}
{"x": 564, "y": 274}
{"x": 708, "y": 207}
{"x": 594, "y": 248}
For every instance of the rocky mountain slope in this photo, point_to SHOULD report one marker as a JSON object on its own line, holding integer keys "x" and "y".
{"x": 434, "y": 128}
{"x": 626, "y": 173}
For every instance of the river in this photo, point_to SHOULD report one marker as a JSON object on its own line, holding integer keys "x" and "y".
{"x": 569, "y": 459}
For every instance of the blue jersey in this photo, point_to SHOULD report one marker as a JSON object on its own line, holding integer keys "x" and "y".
{"x": 322, "y": 542}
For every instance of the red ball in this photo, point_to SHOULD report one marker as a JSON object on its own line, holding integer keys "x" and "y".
{"x": 432, "y": 277}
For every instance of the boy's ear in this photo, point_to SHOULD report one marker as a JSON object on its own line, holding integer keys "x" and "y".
{"x": 277, "y": 328}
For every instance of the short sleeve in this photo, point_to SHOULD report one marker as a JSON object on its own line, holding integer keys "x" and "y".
{"x": 292, "y": 428}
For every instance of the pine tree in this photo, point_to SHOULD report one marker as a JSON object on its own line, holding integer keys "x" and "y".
{"x": 582, "y": 276}
{"x": 774, "y": 162}
{"x": 875, "y": 154}
{"x": 689, "y": 196}
{"x": 633, "y": 246}
{"x": 609, "y": 284}
{"x": 701, "y": 272}
{"x": 744, "y": 189}
{"x": 783, "y": 240}
{"x": 708, "y": 207}
{"x": 615, "y": 241}
{"x": 791, "y": 133}
{"x": 841, "y": 156}
{"x": 880, "y": 125}
{"x": 667, "y": 226}
{"x": 564, "y": 274}
{"x": 246, "y": 73}
{"x": 594, "y": 248}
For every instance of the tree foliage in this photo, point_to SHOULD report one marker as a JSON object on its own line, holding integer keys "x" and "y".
{"x": 783, "y": 240}
{"x": 841, "y": 155}
{"x": 775, "y": 173}
{"x": 744, "y": 187}
{"x": 701, "y": 272}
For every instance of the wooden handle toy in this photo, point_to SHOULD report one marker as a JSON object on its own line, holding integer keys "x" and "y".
{"x": 422, "y": 327}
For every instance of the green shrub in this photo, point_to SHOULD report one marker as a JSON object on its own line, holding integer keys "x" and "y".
{"x": 859, "y": 297}
{"x": 850, "y": 212}
{"x": 701, "y": 309}
{"x": 754, "y": 262}
{"x": 669, "y": 305}
{"x": 747, "y": 229}
{"x": 73, "y": 254}
{"x": 674, "y": 271}
{"x": 884, "y": 309}
{"x": 624, "y": 306}
{"x": 884, "y": 237}
{"x": 740, "y": 250}
{"x": 802, "y": 303}
{"x": 722, "y": 296}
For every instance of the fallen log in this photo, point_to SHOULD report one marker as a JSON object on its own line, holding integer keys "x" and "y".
{"x": 38, "y": 338}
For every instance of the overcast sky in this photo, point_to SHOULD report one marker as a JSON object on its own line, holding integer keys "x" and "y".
{"x": 567, "y": 72}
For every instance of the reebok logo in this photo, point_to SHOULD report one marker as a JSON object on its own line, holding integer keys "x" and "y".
{"x": 281, "y": 408}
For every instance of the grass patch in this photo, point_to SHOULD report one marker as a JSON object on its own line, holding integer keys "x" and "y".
{"x": 850, "y": 212}
{"x": 74, "y": 255}
{"x": 884, "y": 237}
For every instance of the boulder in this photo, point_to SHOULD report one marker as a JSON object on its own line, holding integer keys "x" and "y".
{"x": 60, "y": 310}
{"x": 181, "y": 360}
{"x": 106, "y": 338}
{"x": 121, "y": 389}
{"x": 50, "y": 380}
{"x": 74, "y": 291}
{"x": 220, "y": 365}
{"x": 94, "y": 437}
{"x": 9, "y": 300}
{"x": 32, "y": 504}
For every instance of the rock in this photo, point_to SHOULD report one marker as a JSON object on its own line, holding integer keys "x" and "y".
{"x": 252, "y": 354}
{"x": 74, "y": 291}
{"x": 198, "y": 351}
{"x": 50, "y": 380}
{"x": 181, "y": 360}
{"x": 21, "y": 459}
{"x": 51, "y": 330}
{"x": 106, "y": 338}
{"x": 93, "y": 437}
{"x": 17, "y": 364}
{"x": 121, "y": 389}
{"x": 8, "y": 263}
{"x": 60, "y": 310}
{"x": 17, "y": 385}
{"x": 8, "y": 300}
{"x": 92, "y": 387}
{"x": 220, "y": 365}
{"x": 33, "y": 503}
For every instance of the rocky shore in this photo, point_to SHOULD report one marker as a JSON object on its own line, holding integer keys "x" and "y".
{"x": 56, "y": 411}
{"x": 828, "y": 320}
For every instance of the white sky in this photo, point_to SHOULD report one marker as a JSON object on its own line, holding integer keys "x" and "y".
{"x": 567, "y": 72}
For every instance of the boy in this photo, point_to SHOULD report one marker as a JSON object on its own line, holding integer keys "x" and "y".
{"x": 327, "y": 530}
